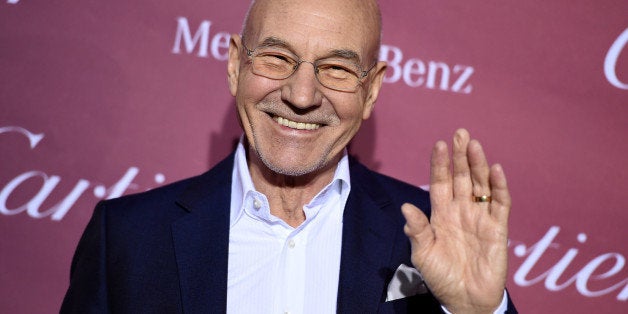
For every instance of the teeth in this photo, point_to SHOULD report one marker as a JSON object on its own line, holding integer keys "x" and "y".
{"x": 297, "y": 125}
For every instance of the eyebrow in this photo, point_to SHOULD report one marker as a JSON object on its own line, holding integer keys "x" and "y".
{"x": 274, "y": 42}
{"x": 347, "y": 54}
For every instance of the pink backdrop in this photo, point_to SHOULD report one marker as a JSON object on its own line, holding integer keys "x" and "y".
{"x": 103, "y": 98}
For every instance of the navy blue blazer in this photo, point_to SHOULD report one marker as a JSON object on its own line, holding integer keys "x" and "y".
{"x": 166, "y": 250}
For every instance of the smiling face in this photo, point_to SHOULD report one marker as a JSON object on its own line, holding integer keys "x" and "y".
{"x": 296, "y": 126}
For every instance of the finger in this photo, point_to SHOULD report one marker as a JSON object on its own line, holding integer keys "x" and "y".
{"x": 479, "y": 169}
{"x": 440, "y": 175}
{"x": 501, "y": 204}
{"x": 461, "y": 173}
{"x": 417, "y": 227}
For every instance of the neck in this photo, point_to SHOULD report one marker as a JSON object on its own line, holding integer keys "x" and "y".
{"x": 288, "y": 194}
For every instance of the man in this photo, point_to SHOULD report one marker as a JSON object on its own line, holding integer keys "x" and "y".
{"x": 289, "y": 223}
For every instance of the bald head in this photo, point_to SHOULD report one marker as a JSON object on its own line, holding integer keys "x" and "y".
{"x": 341, "y": 37}
{"x": 360, "y": 18}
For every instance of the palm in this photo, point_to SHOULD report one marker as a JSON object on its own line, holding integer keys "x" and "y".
{"x": 462, "y": 251}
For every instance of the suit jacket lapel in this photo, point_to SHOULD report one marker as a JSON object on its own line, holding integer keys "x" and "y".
{"x": 201, "y": 241}
{"x": 368, "y": 238}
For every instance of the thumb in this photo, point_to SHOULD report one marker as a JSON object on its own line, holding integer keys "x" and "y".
{"x": 417, "y": 228}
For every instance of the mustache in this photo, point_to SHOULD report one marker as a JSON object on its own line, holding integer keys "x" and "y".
{"x": 315, "y": 114}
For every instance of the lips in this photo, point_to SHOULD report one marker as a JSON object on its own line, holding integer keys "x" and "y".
{"x": 296, "y": 125}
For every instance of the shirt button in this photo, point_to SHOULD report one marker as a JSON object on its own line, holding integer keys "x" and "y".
{"x": 257, "y": 204}
{"x": 291, "y": 243}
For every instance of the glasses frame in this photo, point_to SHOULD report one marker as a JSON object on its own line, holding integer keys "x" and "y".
{"x": 299, "y": 61}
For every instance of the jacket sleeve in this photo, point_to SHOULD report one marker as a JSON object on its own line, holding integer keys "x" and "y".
{"x": 87, "y": 292}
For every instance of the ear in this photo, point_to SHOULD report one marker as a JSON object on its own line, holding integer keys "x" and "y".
{"x": 374, "y": 85}
{"x": 233, "y": 64}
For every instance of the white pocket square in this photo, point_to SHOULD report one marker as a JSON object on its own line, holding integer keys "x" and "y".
{"x": 406, "y": 282}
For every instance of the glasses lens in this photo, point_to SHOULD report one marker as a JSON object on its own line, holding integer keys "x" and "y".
{"x": 337, "y": 74}
{"x": 273, "y": 64}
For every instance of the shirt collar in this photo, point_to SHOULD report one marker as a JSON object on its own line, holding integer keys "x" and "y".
{"x": 242, "y": 184}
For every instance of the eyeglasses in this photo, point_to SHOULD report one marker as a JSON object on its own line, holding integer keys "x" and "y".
{"x": 279, "y": 64}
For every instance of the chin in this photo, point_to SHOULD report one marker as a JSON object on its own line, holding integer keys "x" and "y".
{"x": 292, "y": 170}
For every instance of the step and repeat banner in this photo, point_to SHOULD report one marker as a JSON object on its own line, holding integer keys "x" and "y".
{"x": 104, "y": 98}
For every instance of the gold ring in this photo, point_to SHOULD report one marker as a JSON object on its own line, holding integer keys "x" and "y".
{"x": 482, "y": 199}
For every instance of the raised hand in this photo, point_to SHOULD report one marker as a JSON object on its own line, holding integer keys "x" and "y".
{"x": 462, "y": 251}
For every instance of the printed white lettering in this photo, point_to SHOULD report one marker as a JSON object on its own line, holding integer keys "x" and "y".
{"x": 8, "y": 189}
{"x": 393, "y": 63}
{"x": 33, "y": 206}
{"x": 64, "y": 206}
{"x": 221, "y": 40}
{"x": 587, "y": 272}
{"x": 610, "y": 62}
{"x": 121, "y": 186}
{"x": 434, "y": 75}
{"x": 414, "y": 67}
{"x": 534, "y": 255}
{"x": 459, "y": 84}
{"x": 431, "y": 75}
{"x": 581, "y": 278}
{"x": 551, "y": 282}
{"x": 200, "y": 42}
{"x": 33, "y": 139}
{"x": 415, "y": 73}
{"x": 201, "y": 35}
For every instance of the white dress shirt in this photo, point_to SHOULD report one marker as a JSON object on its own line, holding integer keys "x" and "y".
{"x": 275, "y": 268}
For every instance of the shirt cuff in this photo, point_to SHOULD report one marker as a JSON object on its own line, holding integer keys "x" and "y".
{"x": 503, "y": 307}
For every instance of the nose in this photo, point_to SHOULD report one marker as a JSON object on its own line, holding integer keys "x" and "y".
{"x": 301, "y": 88}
